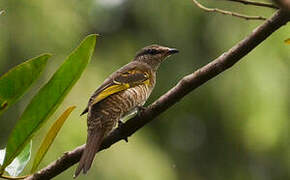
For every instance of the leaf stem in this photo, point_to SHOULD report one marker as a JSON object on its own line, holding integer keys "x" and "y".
{"x": 14, "y": 177}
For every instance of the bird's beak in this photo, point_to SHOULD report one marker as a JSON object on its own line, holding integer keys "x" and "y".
{"x": 173, "y": 51}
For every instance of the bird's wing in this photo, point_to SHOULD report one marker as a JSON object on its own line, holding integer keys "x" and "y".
{"x": 121, "y": 81}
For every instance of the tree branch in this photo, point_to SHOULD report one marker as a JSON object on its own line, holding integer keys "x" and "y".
{"x": 261, "y": 4}
{"x": 216, "y": 10}
{"x": 283, "y": 4}
{"x": 184, "y": 87}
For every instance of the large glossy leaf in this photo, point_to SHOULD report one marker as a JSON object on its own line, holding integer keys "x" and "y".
{"x": 287, "y": 41}
{"x": 49, "y": 97}
{"x": 19, "y": 163}
{"x": 49, "y": 138}
{"x": 16, "y": 82}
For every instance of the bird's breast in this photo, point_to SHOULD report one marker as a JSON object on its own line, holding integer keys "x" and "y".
{"x": 125, "y": 101}
{"x": 114, "y": 107}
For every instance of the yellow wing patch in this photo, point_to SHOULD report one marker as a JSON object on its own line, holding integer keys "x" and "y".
{"x": 122, "y": 82}
{"x": 147, "y": 82}
{"x": 110, "y": 90}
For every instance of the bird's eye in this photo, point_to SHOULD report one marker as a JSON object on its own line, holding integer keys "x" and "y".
{"x": 152, "y": 51}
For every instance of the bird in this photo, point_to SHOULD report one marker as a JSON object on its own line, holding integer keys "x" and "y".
{"x": 124, "y": 91}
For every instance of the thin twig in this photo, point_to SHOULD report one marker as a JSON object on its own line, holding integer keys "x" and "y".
{"x": 13, "y": 177}
{"x": 186, "y": 85}
{"x": 255, "y": 3}
{"x": 243, "y": 16}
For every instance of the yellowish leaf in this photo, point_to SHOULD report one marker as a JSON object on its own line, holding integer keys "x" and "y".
{"x": 287, "y": 41}
{"x": 49, "y": 138}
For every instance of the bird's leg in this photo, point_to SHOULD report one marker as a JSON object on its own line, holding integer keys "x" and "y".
{"x": 120, "y": 125}
{"x": 140, "y": 109}
{"x": 129, "y": 115}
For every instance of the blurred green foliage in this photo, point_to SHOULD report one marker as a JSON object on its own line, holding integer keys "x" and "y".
{"x": 234, "y": 127}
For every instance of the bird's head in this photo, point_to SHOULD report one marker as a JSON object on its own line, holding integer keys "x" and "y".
{"x": 153, "y": 55}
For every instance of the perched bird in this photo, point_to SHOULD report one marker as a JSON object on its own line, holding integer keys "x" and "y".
{"x": 121, "y": 93}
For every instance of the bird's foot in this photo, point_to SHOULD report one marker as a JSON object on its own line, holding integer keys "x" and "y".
{"x": 140, "y": 109}
{"x": 126, "y": 139}
{"x": 120, "y": 124}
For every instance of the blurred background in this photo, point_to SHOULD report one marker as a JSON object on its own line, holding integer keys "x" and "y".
{"x": 236, "y": 126}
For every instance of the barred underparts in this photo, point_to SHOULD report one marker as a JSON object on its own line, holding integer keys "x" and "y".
{"x": 110, "y": 110}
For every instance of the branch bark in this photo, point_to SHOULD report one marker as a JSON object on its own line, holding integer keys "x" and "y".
{"x": 284, "y": 4}
{"x": 184, "y": 87}
{"x": 255, "y": 3}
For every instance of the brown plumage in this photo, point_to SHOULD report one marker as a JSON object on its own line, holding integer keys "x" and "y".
{"x": 121, "y": 92}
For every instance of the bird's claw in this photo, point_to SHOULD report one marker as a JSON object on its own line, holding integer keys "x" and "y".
{"x": 120, "y": 123}
{"x": 126, "y": 139}
{"x": 140, "y": 109}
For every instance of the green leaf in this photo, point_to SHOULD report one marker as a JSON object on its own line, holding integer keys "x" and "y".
{"x": 17, "y": 81}
{"x": 19, "y": 163}
{"x": 2, "y": 156}
{"x": 49, "y": 138}
{"x": 49, "y": 97}
{"x": 287, "y": 41}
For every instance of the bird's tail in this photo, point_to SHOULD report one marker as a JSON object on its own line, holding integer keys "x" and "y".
{"x": 94, "y": 142}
